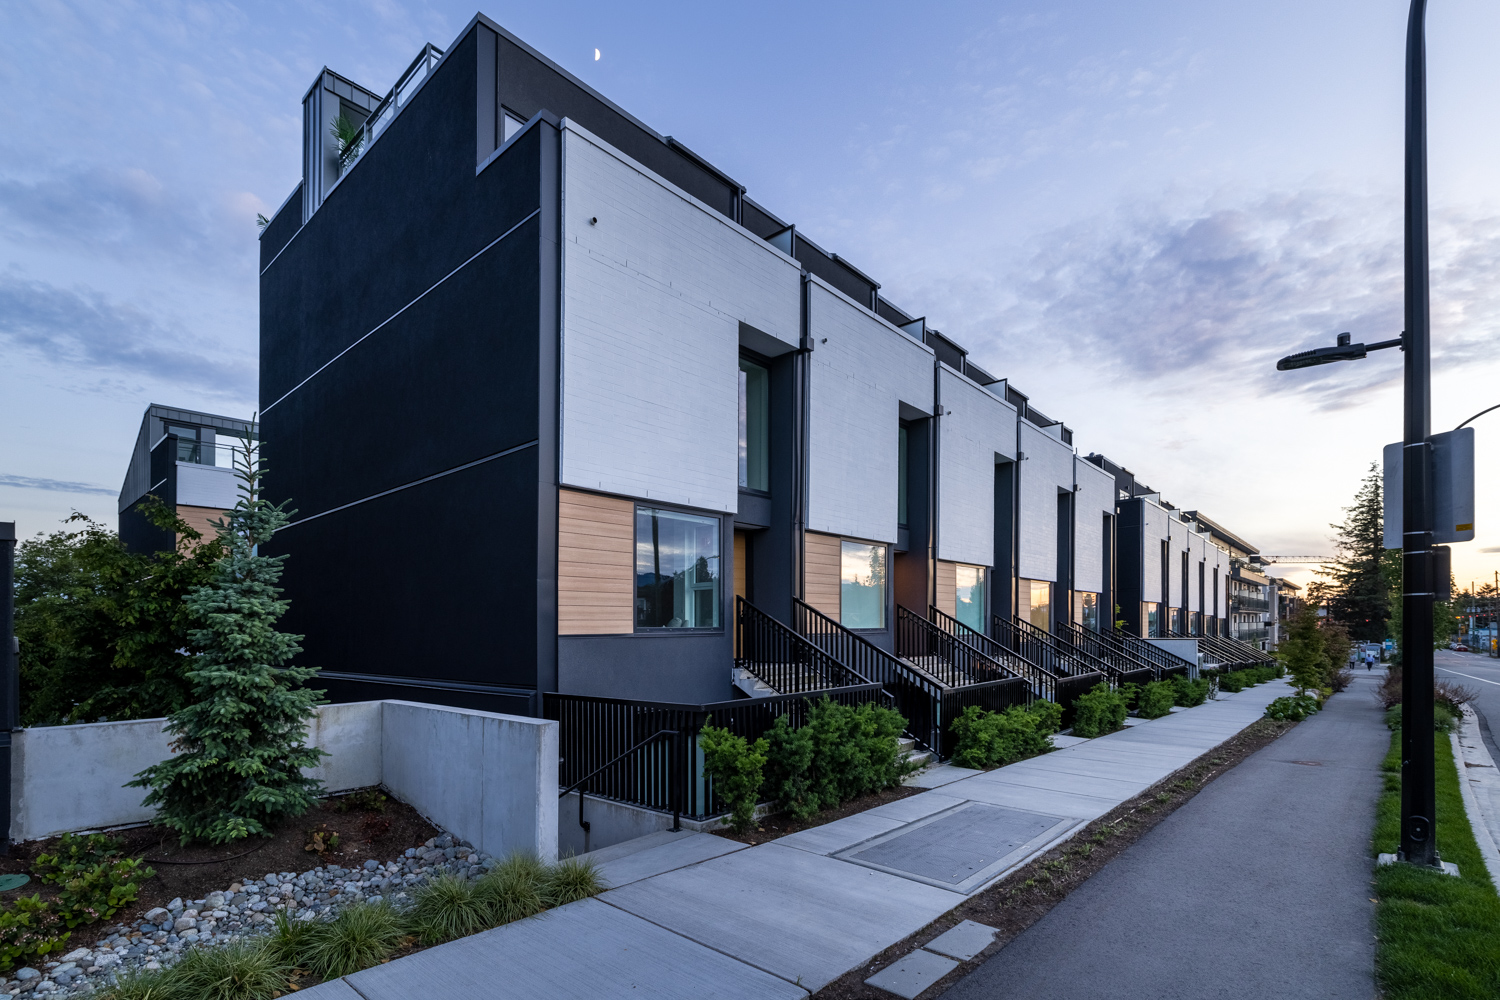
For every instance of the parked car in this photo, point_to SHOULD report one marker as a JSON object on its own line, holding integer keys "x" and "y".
{"x": 1458, "y": 647}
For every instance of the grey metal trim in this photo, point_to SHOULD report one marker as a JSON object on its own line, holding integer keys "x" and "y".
{"x": 423, "y": 682}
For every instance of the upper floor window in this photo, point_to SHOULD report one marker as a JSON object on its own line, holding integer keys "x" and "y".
{"x": 189, "y": 449}
{"x": 901, "y": 477}
{"x": 755, "y": 429}
{"x": 862, "y": 585}
{"x": 676, "y": 569}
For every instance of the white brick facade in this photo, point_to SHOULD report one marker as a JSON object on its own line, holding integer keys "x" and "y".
{"x": 976, "y": 426}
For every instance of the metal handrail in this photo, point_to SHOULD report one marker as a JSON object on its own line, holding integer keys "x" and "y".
{"x": 943, "y": 654}
{"x": 674, "y": 780}
{"x": 1078, "y": 661}
{"x": 785, "y": 660}
{"x": 1159, "y": 658}
{"x": 917, "y": 697}
{"x": 1042, "y": 684}
{"x": 1096, "y": 645}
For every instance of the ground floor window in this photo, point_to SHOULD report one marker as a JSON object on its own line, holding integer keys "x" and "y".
{"x": 1152, "y": 612}
{"x": 1041, "y": 604}
{"x": 862, "y": 585}
{"x": 1088, "y": 611}
{"x": 969, "y": 597}
{"x": 676, "y": 569}
{"x": 1177, "y": 620}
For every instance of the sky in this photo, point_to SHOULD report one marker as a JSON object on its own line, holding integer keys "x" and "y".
{"x": 1129, "y": 210}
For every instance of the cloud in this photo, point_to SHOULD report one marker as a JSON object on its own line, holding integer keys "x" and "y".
{"x": 54, "y": 485}
{"x": 1490, "y": 548}
{"x": 82, "y": 329}
{"x": 1157, "y": 293}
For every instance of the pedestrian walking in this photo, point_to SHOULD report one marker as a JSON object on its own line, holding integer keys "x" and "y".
{"x": 1369, "y": 658}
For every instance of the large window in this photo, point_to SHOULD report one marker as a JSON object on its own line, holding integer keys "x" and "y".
{"x": 676, "y": 569}
{"x": 1089, "y": 608}
{"x": 1041, "y": 604}
{"x": 1153, "y": 619}
{"x": 969, "y": 597}
{"x": 755, "y": 432}
{"x": 862, "y": 585}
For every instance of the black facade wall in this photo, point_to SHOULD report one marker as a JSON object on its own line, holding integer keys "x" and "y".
{"x": 648, "y": 666}
{"x": 1062, "y": 602}
{"x": 911, "y": 569}
{"x": 526, "y": 85}
{"x": 1129, "y": 569}
{"x": 139, "y": 535}
{"x": 1003, "y": 593}
{"x": 282, "y": 228}
{"x": 341, "y": 688}
{"x": 773, "y": 552}
{"x": 422, "y": 583}
{"x": 408, "y": 212}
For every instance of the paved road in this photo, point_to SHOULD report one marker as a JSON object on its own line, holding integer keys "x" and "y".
{"x": 1477, "y": 672}
{"x": 1257, "y": 887}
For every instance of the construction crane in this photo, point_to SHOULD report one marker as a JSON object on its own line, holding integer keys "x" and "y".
{"x": 1296, "y": 560}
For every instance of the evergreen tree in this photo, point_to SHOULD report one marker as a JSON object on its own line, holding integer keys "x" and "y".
{"x": 241, "y": 742}
{"x": 1304, "y": 652}
{"x": 1359, "y": 598}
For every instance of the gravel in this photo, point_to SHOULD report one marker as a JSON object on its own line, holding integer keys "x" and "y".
{"x": 242, "y": 909}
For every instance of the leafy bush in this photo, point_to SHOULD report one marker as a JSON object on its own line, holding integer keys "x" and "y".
{"x": 992, "y": 739}
{"x": 856, "y": 750}
{"x": 29, "y": 930}
{"x": 737, "y": 768}
{"x": 1293, "y": 708}
{"x": 1098, "y": 711}
{"x": 364, "y": 800}
{"x": 1237, "y": 680}
{"x": 1157, "y": 699}
{"x": 1189, "y": 693}
{"x": 361, "y": 935}
{"x": 1131, "y": 692}
{"x": 789, "y": 759}
{"x": 98, "y": 893}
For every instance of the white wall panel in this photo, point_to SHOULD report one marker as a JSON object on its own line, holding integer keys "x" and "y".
{"x": 859, "y": 378}
{"x": 974, "y": 427}
{"x": 1153, "y": 531}
{"x": 1047, "y": 467}
{"x": 207, "y": 486}
{"x": 653, "y": 296}
{"x": 1095, "y": 498}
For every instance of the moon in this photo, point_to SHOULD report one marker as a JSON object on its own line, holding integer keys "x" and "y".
{"x": 596, "y": 55}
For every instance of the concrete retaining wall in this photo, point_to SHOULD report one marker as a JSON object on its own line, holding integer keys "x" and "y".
{"x": 491, "y": 779}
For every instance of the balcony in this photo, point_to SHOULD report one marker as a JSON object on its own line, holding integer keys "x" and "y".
{"x": 1246, "y": 604}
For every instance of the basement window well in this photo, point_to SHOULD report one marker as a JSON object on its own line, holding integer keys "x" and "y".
{"x": 676, "y": 570}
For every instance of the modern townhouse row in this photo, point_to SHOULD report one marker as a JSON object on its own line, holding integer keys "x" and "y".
{"x": 564, "y": 413}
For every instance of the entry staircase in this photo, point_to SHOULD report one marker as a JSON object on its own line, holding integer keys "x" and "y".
{"x": 1130, "y": 667}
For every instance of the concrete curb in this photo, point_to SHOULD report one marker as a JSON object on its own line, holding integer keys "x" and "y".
{"x": 1479, "y": 782}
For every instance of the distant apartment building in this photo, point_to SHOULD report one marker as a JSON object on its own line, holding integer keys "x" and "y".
{"x": 184, "y": 459}
{"x": 563, "y": 410}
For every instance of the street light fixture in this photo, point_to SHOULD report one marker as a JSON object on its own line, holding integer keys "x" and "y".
{"x": 1418, "y": 583}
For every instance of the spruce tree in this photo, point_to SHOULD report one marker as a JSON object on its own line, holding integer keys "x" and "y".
{"x": 1359, "y": 598}
{"x": 241, "y": 743}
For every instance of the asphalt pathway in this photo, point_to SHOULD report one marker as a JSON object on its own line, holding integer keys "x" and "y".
{"x": 1480, "y": 674}
{"x": 1258, "y": 887}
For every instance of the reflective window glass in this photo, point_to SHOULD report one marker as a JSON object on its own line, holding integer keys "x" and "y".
{"x": 969, "y": 597}
{"x": 676, "y": 569}
{"x": 862, "y": 585}
{"x": 1041, "y": 605}
{"x": 755, "y": 407}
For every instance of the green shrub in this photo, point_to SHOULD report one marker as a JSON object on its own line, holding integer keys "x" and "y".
{"x": 1156, "y": 700}
{"x": 290, "y": 938}
{"x": 1189, "y": 694}
{"x": 242, "y": 970}
{"x": 1098, "y": 711}
{"x": 140, "y": 984}
{"x": 514, "y": 889}
{"x": 360, "y": 936}
{"x": 1292, "y": 708}
{"x": 570, "y": 880}
{"x": 76, "y": 854}
{"x": 449, "y": 907}
{"x": 29, "y": 930}
{"x": 1444, "y": 719}
{"x": 992, "y": 739}
{"x": 1237, "y": 680}
{"x": 856, "y": 750}
{"x": 789, "y": 759}
{"x": 1131, "y": 692}
{"x": 737, "y": 768}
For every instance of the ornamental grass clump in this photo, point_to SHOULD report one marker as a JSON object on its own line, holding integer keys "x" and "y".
{"x": 362, "y": 935}
{"x": 241, "y": 970}
{"x": 993, "y": 739}
{"x": 570, "y": 880}
{"x": 450, "y": 907}
{"x": 240, "y": 746}
{"x": 514, "y": 889}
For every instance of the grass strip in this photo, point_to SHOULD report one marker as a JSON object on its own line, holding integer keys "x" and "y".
{"x": 1437, "y": 937}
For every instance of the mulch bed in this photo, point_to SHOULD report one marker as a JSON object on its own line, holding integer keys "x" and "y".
{"x": 772, "y": 827}
{"x": 1025, "y": 896}
{"x": 193, "y": 872}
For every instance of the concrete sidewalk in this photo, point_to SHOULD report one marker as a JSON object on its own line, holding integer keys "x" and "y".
{"x": 1257, "y": 887}
{"x": 694, "y": 915}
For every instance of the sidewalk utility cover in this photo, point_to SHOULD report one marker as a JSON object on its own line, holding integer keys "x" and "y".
{"x": 960, "y": 848}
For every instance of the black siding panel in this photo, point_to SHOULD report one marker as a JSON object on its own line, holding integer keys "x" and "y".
{"x": 282, "y": 228}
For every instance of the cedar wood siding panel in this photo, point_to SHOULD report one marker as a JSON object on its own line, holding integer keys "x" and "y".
{"x": 824, "y": 570}
{"x": 201, "y": 518}
{"x": 947, "y": 587}
{"x": 595, "y": 562}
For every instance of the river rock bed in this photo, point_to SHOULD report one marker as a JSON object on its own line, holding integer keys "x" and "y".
{"x": 244, "y": 908}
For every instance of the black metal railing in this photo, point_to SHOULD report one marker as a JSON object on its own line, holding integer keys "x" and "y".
{"x": 646, "y": 753}
{"x": 917, "y": 696}
{"x": 1128, "y": 668}
{"x": 784, "y": 660}
{"x": 1164, "y": 664}
{"x": 1079, "y": 661}
{"x": 1042, "y": 683}
{"x": 937, "y": 651}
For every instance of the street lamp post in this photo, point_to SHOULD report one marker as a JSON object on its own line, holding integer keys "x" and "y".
{"x": 1418, "y": 586}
